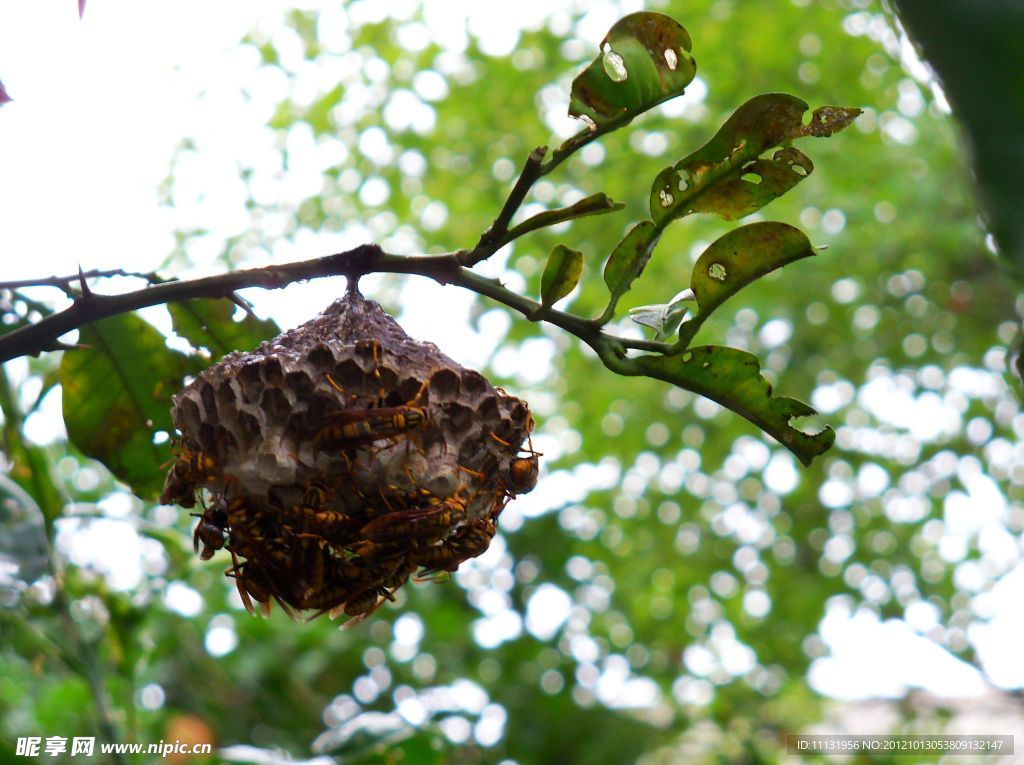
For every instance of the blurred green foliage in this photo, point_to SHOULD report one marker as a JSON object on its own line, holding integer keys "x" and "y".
{"x": 689, "y": 558}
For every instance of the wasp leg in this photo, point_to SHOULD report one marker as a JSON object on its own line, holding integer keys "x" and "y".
{"x": 243, "y": 582}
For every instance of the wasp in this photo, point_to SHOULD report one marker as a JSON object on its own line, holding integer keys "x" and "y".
{"x": 469, "y": 541}
{"x": 352, "y": 428}
{"x": 519, "y": 478}
{"x": 418, "y": 525}
{"x": 523, "y": 472}
{"x": 364, "y": 603}
{"x": 190, "y": 468}
{"x": 254, "y": 583}
{"x": 213, "y": 523}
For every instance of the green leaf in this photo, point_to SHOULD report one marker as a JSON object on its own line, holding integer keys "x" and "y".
{"x": 733, "y": 378}
{"x": 208, "y": 323}
{"x": 627, "y": 262}
{"x": 116, "y": 394}
{"x": 595, "y": 204}
{"x": 735, "y": 260}
{"x": 645, "y": 60}
{"x": 711, "y": 178}
{"x": 561, "y": 274}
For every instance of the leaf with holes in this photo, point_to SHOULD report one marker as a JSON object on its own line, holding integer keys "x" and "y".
{"x": 733, "y": 378}
{"x": 561, "y": 274}
{"x": 712, "y": 180}
{"x": 645, "y": 60}
{"x": 209, "y": 323}
{"x": 116, "y": 394}
{"x": 733, "y": 261}
{"x": 627, "y": 262}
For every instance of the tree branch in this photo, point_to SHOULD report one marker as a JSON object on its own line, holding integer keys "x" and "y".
{"x": 365, "y": 259}
{"x": 64, "y": 282}
{"x": 494, "y": 237}
{"x": 35, "y": 338}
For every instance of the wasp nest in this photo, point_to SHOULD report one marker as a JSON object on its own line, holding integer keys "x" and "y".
{"x": 341, "y": 457}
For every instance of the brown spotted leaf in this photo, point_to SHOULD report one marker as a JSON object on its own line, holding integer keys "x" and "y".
{"x": 733, "y": 378}
{"x": 645, "y": 60}
{"x": 742, "y": 256}
{"x": 727, "y": 177}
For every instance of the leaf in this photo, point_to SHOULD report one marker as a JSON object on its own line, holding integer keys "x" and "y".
{"x": 4, "y": 98}
{"x": 652, "y": 316}
{"x": 23, "y": 544}
{"x": 561, "y": 274}
{"x": 733, "y": 378}
{"x": 116, "y": 394}
{"x": 208, "y": 323}
{"x": 675, "y": 312}
{"x": 737, "y": 196}
{"x": 711, "y": 178}
{"x": 595, "y": 204}
{"x": 733, "y": 261}
{"x": 645, "y": 60}
{"x": 664, "y": 319}
{"x": 627, "y": 262}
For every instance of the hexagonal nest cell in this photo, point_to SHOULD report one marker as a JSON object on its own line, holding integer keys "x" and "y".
{"x": 341, "y": 457}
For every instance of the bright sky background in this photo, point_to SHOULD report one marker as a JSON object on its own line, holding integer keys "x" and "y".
{"x": 100, "y": 106}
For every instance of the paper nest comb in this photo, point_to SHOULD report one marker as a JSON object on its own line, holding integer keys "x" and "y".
{"x": 341, "y": 457}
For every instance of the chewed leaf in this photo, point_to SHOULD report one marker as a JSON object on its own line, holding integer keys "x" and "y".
{"x": 736, "y": 196}
{"x": 733, "y": 378}
{"x": 627, "y": 262}
{"x": 208, "y": 323}
{"x": 561, "y": 274}
{"x": 711, "y": 178}
{"x": 827, "y": 120}
{"x": 645, "y": 59}
{"x": 116, "y": 394}
{"x": 742, "y": 256}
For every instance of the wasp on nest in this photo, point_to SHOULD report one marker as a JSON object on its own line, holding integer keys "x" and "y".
{"x": 338, "y": 459}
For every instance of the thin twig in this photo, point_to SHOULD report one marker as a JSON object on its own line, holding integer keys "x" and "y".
{"x": 491, "y": 240}
{"x": 34, "y": 338}
{"x": 65, "y": 282}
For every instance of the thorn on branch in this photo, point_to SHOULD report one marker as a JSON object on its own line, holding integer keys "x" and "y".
{"x": 86, "y": 292}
